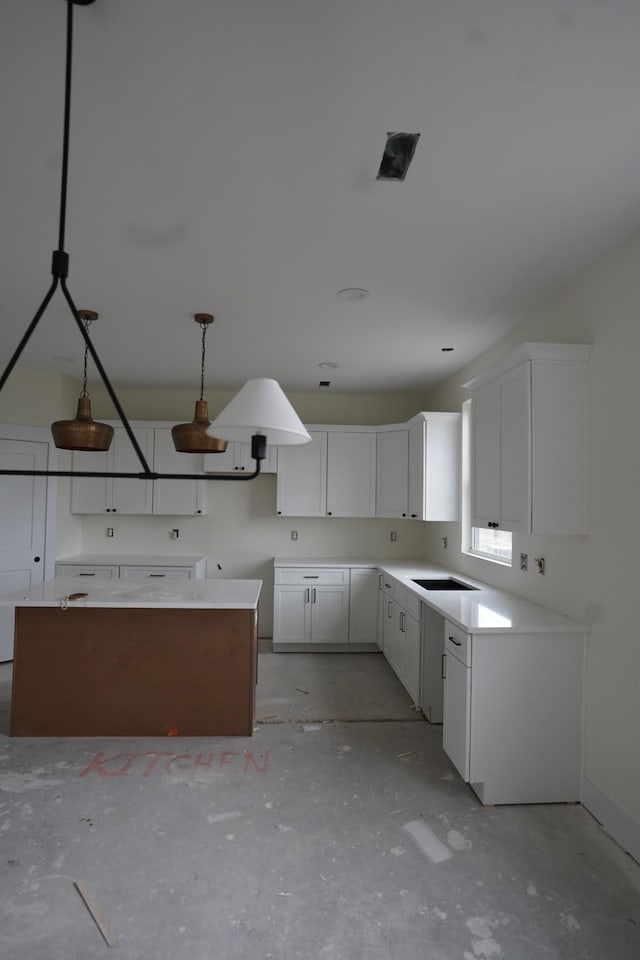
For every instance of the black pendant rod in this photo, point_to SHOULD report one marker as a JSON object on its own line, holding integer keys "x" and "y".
{"x": 60, "y": 270}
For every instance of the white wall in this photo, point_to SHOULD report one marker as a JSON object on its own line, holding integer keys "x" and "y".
{"x": 594, "y": 577}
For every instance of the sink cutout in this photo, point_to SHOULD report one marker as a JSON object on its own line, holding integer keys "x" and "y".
{"x": 443, "y": 583}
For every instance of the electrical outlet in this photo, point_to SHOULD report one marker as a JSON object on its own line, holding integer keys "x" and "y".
{"x": 393, "y": 536}
{"x": 524, "y": 561}
{"x": 445, "y": 541}
{"x": 175, "y": 533}
{"x": 294, "y": 534}
{"x": 109, "y": 531}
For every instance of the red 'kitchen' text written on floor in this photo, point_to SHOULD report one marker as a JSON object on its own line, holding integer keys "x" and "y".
{"x": 198, "y": 765}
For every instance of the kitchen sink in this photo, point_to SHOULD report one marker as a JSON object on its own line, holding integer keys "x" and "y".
{"x": 443, "y": 583}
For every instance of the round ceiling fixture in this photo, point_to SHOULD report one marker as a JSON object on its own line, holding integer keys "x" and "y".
{"x": 353, "y": 293}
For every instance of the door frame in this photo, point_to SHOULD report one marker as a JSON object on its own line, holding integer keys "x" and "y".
{"x": 17, "y": 431}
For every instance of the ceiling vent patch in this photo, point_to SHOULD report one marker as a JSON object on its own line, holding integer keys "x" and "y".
{"x": 398, "y": 154}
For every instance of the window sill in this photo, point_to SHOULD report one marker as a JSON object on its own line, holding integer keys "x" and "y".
{"x": 484, "y": 556}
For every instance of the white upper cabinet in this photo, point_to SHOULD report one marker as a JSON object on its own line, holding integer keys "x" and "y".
{"x": 176, "y": 497}
{"x": 351, "y": 473}
{"x": 434, "y": 466}
{"x": 333, "y": 476}
{"x": 528, "y": 441}
{"x": 301, "y": 486}
{"x": 114, "y": 494}
{"x": 237, "y": 459}
{"x": 392, "y": 472}
{"x": 135, "y": 496}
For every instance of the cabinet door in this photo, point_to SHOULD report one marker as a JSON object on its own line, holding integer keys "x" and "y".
{"x": 291, "y": 620}
{"x": 91, "y": 494}
{"x": 515, "y": 449}
{"x": 237, "y": 458}
{"x": 501, "y": 439}
{"x": 177, "y": 497}
{"x": 392, "y": 473}
{"x": 244, "y": 463}
{"x": 387, "y": 625}
{"x": 302, "y": 478}
{"x": 351, "y": 474}
{"x": 111, "y": 494}
{"x": 392, "y": 641}
{"x": 411, "y": 641}
{"x": 329, "y": 614}
{"x": 457, "y": 711}
{"x": 363, "y": 606}
{"x": 485, "y": 432}
{"x": 132, "y": 495}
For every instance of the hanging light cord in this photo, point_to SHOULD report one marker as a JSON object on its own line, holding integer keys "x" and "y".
{"x": 86, "y": 324}
{"x": 60, "y": 270}
{"x": 203, "y": 327}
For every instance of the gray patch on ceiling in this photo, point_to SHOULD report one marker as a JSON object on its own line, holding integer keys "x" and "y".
{"x": 398, "y": 154}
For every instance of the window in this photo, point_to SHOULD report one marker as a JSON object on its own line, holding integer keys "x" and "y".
{"x": 492, "y": 544}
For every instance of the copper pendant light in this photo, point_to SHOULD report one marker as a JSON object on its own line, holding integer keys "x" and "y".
{"x": 192, "y": 437}
{"x": 83, "y": 432}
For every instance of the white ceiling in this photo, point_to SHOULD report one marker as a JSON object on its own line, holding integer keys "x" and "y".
{"x": 224, "y": 157}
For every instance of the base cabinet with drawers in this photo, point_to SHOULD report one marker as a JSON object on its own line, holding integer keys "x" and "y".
{"x": 325, "y": 608}
{"x": 310, "y": 606}
{"x": 512, "y": 722}
{"x": 122, "y": 567}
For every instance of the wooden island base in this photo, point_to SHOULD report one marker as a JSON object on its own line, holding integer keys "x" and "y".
{"x": 116, "y": 672}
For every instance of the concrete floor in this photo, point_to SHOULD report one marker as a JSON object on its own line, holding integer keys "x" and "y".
{"x": 338, "y": 831}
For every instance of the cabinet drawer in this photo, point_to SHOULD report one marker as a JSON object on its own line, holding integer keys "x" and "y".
{"x": 154, "y": 573}
{"x": 407, "y": 600}
{"x": 313, "y": 576}
{"x": 457, "y": 643}
{"x": 80, "y": 570}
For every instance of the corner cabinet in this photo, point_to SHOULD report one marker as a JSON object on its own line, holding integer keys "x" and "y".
{"x": 135, "y": 496}
{"x": 513, "y": 714}
{"x": 528, "y": 441}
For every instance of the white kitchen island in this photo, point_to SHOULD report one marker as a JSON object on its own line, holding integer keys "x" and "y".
{"x": 168, "y": 658}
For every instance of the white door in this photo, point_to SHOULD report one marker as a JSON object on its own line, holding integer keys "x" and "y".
{"x": 23, "y": 508}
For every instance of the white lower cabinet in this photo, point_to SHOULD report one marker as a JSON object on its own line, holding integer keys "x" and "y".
{"x": 363, "y": 605}
{"x": 311, "y": 606}
{"x": 123, "y": 567}
{"x": 326, "y": 608}
{"x": 513, "y": 714}
{"x": 401, "y": 628}
{"x": 432, "y": 665}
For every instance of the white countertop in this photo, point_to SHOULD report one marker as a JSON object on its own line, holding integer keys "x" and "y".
{"x": 132, "y": 559}
{"x": 484, "y": 610}
{"x": 136, "y": 594}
